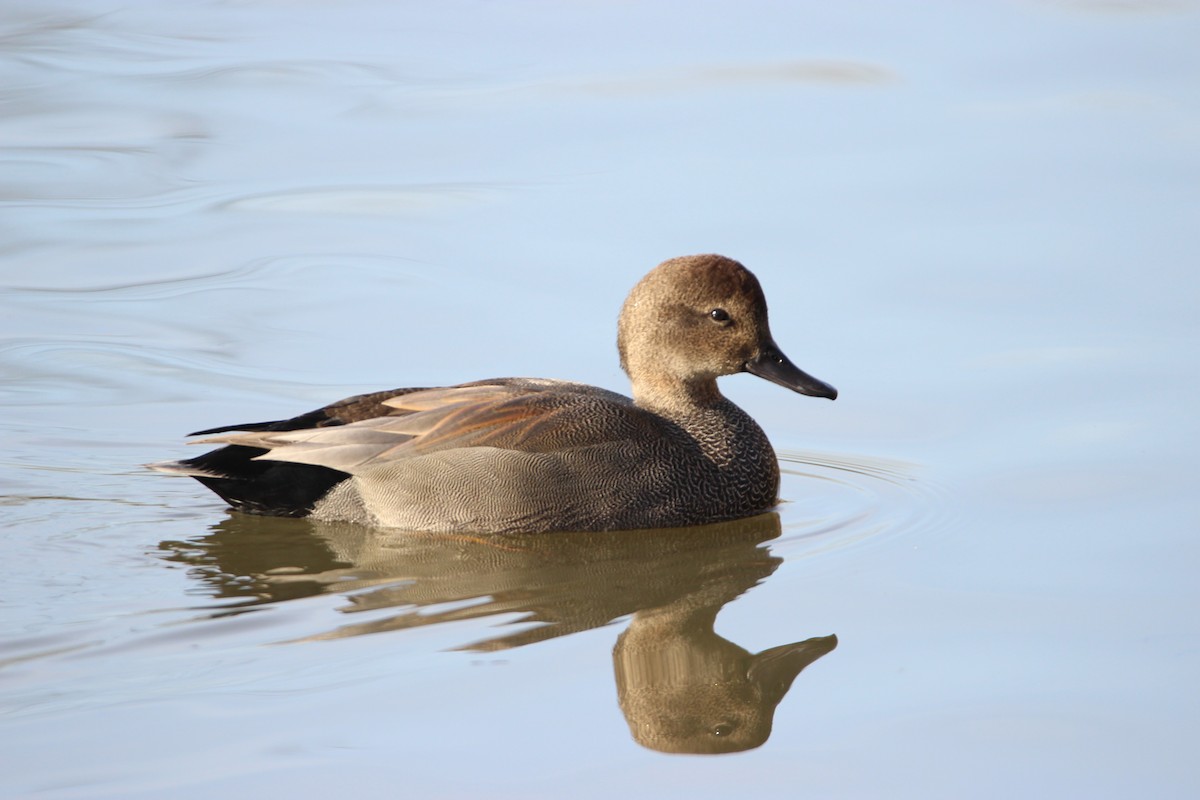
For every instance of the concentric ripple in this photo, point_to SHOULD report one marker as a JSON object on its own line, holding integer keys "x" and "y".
{"x": 833, "y": 500}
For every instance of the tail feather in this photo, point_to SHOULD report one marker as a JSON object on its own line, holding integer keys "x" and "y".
{"x": 275, "y": 488}
{"x": 184, "y": 468}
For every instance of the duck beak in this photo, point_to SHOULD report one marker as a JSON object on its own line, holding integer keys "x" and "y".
{"x": 773, "y": 365}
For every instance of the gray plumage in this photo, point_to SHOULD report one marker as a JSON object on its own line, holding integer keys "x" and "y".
{"x": 524, "y": 454}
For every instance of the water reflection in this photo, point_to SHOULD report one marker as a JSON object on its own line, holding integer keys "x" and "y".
{"x": 682, "y": 687}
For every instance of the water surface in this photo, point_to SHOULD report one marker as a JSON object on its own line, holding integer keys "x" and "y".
{"x": 978, "y": 222}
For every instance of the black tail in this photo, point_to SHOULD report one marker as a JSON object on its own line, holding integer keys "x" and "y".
{"x": 274, "y": 488}
{"x": 277, "y": 488}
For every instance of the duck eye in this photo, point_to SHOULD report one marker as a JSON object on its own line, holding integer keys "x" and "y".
{"x": 719, "y": 315}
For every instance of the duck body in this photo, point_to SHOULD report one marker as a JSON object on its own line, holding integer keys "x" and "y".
{"x": 532, "y": 455}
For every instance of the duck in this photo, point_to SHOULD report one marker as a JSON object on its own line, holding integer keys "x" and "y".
{"x": 534, "y": 455}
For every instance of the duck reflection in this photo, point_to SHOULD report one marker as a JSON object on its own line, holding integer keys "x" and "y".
{"x": 682, "y": 687}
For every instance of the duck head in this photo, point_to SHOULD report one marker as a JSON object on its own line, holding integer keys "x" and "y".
{"x": 693, "y": 319}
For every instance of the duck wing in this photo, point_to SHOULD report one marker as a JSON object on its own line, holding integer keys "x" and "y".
{"x": 526, "y": 415}
{"x": 343, "y": 412}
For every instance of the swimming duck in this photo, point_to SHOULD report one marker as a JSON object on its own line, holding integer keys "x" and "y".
{"x": 530, "y": 454}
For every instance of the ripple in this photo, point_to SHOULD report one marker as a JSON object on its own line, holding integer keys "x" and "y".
{"x": 369, "y": 200}
{"x": 72, "y": 370}
{"x": 301, "y": 72}
{"x": 69, "y": 370}
{"x": 90, "y": 40}
{"x": 120, "y": 340}
{"x": 259, "y": 273}
{"x": 835, "y": 500}
{"x": 828, "y": 73}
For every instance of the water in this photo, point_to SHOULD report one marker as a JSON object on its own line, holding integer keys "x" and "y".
{"x": 978, "y": 221}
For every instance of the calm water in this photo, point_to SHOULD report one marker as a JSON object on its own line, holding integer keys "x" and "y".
{"x": 979, "y": 221}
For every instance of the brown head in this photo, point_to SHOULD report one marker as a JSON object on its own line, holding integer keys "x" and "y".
{"x": 693, "y": 319}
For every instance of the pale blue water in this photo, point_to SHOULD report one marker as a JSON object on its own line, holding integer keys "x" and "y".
{"x": 978, "y": 221}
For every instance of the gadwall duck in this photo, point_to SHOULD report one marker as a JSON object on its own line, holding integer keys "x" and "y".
{"x": 530, "y": 454}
